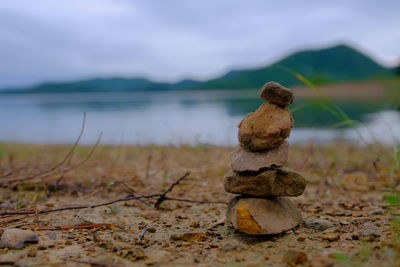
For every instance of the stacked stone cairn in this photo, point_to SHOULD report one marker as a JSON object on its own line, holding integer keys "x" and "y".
{"x": 258, "y": 174}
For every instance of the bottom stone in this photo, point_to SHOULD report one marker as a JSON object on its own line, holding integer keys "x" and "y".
{"x": 259, "y": 216}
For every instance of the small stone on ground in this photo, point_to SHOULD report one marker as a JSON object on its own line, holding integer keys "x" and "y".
{"x": 317, "y": 224}
{"x": 16, "y": 238}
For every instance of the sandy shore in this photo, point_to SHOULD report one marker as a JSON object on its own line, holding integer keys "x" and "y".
{"x": 36, "y": 178}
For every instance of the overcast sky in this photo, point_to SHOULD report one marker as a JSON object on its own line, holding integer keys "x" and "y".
{"x": 52, "y": 40}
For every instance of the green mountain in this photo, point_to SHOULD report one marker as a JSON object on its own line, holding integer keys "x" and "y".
{"x": 114, "y": 84}
{"x": 100, "y": 85}
{"x": 335, "y": 64}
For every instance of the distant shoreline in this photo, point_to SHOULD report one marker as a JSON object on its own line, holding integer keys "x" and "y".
{"x": 356, "y": 90}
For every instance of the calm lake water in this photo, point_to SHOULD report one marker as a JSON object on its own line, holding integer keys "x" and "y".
{"x": 175, "y": 118}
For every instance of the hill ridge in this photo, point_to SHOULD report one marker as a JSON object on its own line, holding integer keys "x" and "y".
{"x": 326, "y": 65}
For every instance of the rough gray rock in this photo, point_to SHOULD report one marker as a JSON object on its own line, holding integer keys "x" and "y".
{"x": 269, "y": 183}
{"x": 259, "y": 216}
{"x": 243, "y": 160}
{"x": 376, "y": 212}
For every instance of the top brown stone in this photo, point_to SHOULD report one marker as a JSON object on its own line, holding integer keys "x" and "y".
{"x": 277, "y": 94}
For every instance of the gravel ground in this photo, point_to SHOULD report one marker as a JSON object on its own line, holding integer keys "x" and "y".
{"x": 346, "y": 219}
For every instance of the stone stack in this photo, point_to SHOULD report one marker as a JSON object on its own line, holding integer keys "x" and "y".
{"x": 258, "y": 174}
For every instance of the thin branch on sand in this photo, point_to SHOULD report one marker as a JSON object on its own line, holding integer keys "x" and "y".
{"x": 148, "y": 166}
{"x": 146, "y": 228}
{"x": 160, "y": 198}
{"x": 67, "y": 227}
{"x": 55, "y": 167}
{"x": 94, "y": 263}
{"x": 82, "y": 162}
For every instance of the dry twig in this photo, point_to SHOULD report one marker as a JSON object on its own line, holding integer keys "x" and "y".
{"x": 55, "y": 167}
{"x": 161, "y": 197}
{"x": 148, "y": 166}
{"x": 306, "y": 158}
{"x": 95, "y": 263}
{"x": 67, "y": 227}
{"x": 6, "y": 175}
{"x": 144, "y": 232}
{"x": 82, "y": 162}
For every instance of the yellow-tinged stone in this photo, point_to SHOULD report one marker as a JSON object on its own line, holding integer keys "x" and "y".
{"x": 260, "y": 216}
{"x": 189, "y": 237}
{"x": 245, "y": 221}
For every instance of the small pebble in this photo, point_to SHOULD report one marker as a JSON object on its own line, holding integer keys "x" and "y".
{"x": 195, "y": 225}
{"x": 151, "y": 214}
{"x": 330, "y": 237}
{"x": 32, "y": 253}
{"x": 293, "y": 258}
{"x": 301, "y": 238}
{"x": 16, "y": 238}
{"x": 317, "y": 224}
{"x": 370, "y": 225}
{"x": 369, "y": 233}
{"x": 376, "y": 212}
